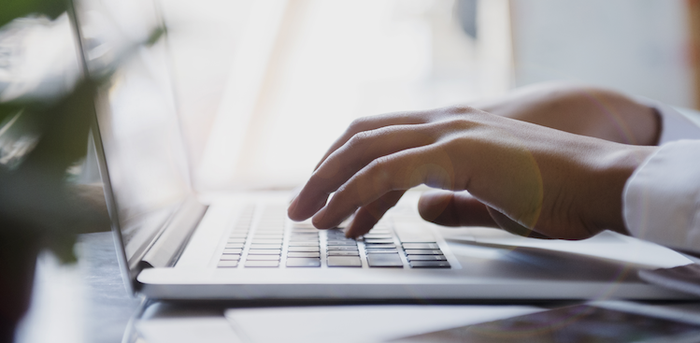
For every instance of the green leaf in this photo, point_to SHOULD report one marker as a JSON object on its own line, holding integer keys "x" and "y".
{"x": 12, "y": 9}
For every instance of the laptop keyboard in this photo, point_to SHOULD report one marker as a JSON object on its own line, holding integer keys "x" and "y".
{"x": 270, "y": 243}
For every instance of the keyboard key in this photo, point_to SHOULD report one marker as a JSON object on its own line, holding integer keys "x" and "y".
{"x": 420, "y": 246}
{"x": 303, "y": 254}
{"x": 382, "y": 251}
{"x": 263, "y": 257}
{"x": 346, "y": 248}
{"x": 227, "y": 264}
{"x": 303, "y": 239}
{"x": 239, "y": 234}
{"x": 261, "y": 264}
{"x": 378, "y": 236}
{"x": 384, "y": 260}
{"x": 423, "y": 252}
{"x": 270, "y": 227}
{"x": 265, "y": 252}
{"x": 344, "y": 253}
{"x": 262, "y": 235}
{"x": 234, "y": 245}
{"x": 341, "y": 243}
{"x": 430, "y": 264}
{"x": 303, "y": 262}
{"x": 342, "y": 248}
{"x": 307, "y": 225}
{"x": 267, "y": 241}
{"x": 304, "y": 230}
{"x": 379, "y": 246}
{"x": 265, "y": 246}
{"x": 379, "y": 241}
{"x": 338, "y": 234}
{"x": 344, "y": 261}
{"x": 303, "y": 249}
{"x": 230, "y": 257}
{"x": 304, "y": 244}
{"x": 232, "y": 251}
{"x": 235, "y": 240}
{"x": 426, "y": 258}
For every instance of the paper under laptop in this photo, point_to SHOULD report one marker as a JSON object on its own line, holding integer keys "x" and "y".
{"x": 177, "y": 244}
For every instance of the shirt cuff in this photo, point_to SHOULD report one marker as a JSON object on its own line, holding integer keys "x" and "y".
{"x": 675, "y": 122}
{"x": 661, "y": 199}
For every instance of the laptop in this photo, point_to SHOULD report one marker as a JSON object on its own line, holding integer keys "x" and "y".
{"x": 176, "y": 244}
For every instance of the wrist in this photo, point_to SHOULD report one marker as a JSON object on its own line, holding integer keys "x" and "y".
{"x": 614, "y": 168}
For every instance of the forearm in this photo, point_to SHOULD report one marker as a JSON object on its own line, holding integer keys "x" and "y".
{"x": 580, "y": 110}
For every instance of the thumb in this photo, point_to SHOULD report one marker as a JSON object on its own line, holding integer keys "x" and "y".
{"x": 461, "y": 209}
{"x": 512, "y": 226}
{"x": 454, "y": 209}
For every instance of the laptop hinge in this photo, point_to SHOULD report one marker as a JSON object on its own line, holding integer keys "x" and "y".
{"x": 167, "y": 248}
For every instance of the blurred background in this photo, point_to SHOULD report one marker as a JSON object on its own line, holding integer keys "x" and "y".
{"x": 264, "y": 87}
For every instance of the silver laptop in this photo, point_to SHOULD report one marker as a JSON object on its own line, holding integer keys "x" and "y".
{"x": 176, "y": 244}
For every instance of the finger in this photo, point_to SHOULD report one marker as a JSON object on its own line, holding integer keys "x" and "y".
{"x": 367, "y": 216}
{"x": 454, "y": 209}
{"x": 400, "y": 171}
{"x": 507, "y": 224}
{"x": 359, "y": 151}
{"x": 373, "y": 123}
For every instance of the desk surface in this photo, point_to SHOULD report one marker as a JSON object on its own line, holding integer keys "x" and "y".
{"x": 88, "y": 302}
{"x": 84, "y": 302}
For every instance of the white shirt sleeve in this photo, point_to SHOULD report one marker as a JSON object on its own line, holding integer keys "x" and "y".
{"x": 661, "y": 200}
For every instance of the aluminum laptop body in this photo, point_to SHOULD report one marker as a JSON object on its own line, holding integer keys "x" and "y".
{"x": 176, "y": 244}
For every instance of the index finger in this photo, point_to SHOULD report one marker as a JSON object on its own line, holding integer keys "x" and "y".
{"x": 396, "y": 172}
{"x": 373, "y": 123}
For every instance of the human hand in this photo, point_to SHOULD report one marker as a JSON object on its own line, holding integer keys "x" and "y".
{"x": 573, "y": 108}
{"x": 579, "y": 109}
{"x": 535, "y": 180}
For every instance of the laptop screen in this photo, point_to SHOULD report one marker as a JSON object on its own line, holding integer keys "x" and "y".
{"x": 139, "y": 132}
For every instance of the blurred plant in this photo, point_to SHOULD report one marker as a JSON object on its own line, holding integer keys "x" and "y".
{"x": 46, "y": 111}
{"x": 12, "y": 9}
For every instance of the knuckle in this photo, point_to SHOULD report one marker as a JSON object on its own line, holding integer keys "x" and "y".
{"x": 379, "y": 163}
{"x": 459, "y": 124}
{"x": 461, "y": 109}
{"x": 359, "y": 124}
{"x": 360, "y": 138}
{"x": 375, "y": 165}
{"x": 379, "y": 172}
{"x": 460, "y": 143}
{"x": 459, "y": 147}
